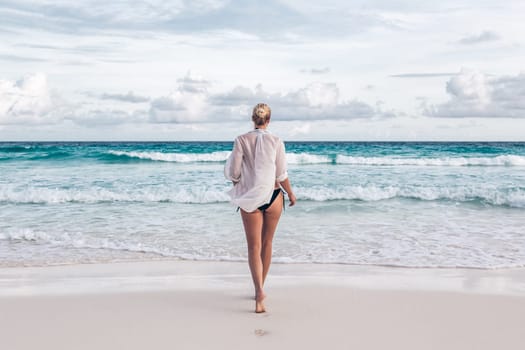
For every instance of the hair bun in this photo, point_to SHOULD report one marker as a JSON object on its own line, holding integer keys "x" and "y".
{"x": 261, "y": 113}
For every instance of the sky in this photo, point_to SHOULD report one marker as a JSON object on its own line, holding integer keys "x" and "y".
{"x": 371, "y": 70}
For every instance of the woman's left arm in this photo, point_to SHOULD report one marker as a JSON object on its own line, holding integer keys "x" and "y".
{"x": 232, "y": 169}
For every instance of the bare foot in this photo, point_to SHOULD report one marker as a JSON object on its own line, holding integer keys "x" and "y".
{"x": 259, "y": 306}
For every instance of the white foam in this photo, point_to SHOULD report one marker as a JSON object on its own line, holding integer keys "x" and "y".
{"x": 203, "y": 195}
{"x": 512, "y": 198}
{"x": 506, "y": 160}
{"x": 306, "y": 158}
{"x": 309, "y": 158}
{"x": 219, "y": 156}
{"x": 79, "y": 240}
{"x": 43, "y": 195}
{"x": 364, "y": 193}
{"x": 346, "y": 253}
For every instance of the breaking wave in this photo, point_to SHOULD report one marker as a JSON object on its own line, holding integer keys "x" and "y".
{"x": 503, "y": 160}
{"x": 511, "y": 197}
{"x": 309, "y": 158}
{"x": 219, "y": 156}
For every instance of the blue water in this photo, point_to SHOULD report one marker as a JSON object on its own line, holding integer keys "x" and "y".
{"x": 400, "y": 204}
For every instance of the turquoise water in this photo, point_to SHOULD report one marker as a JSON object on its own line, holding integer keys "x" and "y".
{"x": 401, "y": 204}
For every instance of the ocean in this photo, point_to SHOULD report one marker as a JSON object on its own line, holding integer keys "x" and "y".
{"x": 406, "y": 204}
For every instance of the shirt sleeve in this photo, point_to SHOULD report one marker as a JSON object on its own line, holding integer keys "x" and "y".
{"x": 281, "y": 172}
{"x": 232, "y": 169}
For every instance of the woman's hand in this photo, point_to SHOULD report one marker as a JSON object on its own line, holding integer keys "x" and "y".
{"x": 292, "y": 199}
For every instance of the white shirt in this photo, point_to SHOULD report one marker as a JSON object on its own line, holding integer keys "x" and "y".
{"x": 256, "y": 164}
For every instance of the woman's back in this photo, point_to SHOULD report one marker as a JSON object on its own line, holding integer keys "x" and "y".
{"x": 257, "y": 162}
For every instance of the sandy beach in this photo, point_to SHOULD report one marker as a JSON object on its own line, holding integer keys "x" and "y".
{"x": 205, "y": 305}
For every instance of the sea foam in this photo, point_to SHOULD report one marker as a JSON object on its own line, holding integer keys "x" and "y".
{"x": 503, "y": 160}
{"x": 39, "y": 195}
{"x": 514, "y": 197}
{"x": 81, "y": 240}
{"x": 310, "y": 158}
{"x": 219, "y": 156}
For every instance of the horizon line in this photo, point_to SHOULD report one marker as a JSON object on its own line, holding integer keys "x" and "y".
{"x": 231, "y": 140}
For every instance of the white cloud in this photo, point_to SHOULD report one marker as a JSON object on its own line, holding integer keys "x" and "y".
{"x": 30, "y": 101}
{"x": 323, "y": 70}
{"x": 486, "y": 35}
{"x": 422, "y": 75}
{"x": 316, "y": 95}
{"x": 94, "y": 118}
{"x": 129, "y": 97}
{"x": 470, "y": 85}
{"x": 27, "y": 100}
{"x": 187, "y": 104}
{"x": 475, "y": 94}
{"x": 192, "y": 102}
{"x": 276, "y": 20}
{"x": 303, "y": 129}
{"x": 316, "y": 101}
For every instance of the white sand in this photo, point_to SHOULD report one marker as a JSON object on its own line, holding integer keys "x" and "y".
{"x": 209, "y": 305}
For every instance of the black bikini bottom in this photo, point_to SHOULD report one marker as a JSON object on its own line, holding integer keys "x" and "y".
{"x": 274, "y": 196}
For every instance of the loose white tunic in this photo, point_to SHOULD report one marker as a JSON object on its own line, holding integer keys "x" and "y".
{"x": 256, "y": 166}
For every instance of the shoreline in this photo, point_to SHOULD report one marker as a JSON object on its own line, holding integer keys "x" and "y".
{"x": 173, "y": 259}
{"x": 204, "y": 305}
{"x": 159, "y": 275}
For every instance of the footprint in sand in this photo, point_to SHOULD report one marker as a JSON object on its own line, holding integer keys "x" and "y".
{"x": 260, "y": 332}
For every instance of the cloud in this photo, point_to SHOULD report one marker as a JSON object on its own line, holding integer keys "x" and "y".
{"x": 303, "y": 129}
{"x": 28, "y": 100}
{"x": 484, "y": 36}
{"x": 324, "y": 70}
{"x": 173, "y": 16}
{"x": 282, "y": 21}
{"x": 129, "y": 97}
{"x": 321, "y": 101}
{"x": 17, "y": 58}
{"x": 193, "y": 83}
{"x": 316, "y": 101}
{"x": 475, "y": 94}
{"x": 87, "y": 16}
{"x": 187, "y": 104}
{"x": 106, "y": 116}
{"x": 421, "y": 75}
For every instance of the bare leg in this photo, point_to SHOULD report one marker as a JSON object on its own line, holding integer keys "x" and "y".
{"x": 271, "y": 218}
{"x": 253, "y": 223}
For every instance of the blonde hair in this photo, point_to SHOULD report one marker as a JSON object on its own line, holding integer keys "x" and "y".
{"x": 261, "y": 114}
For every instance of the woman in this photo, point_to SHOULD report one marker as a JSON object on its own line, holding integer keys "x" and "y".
{"x": 257, "y": 168}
